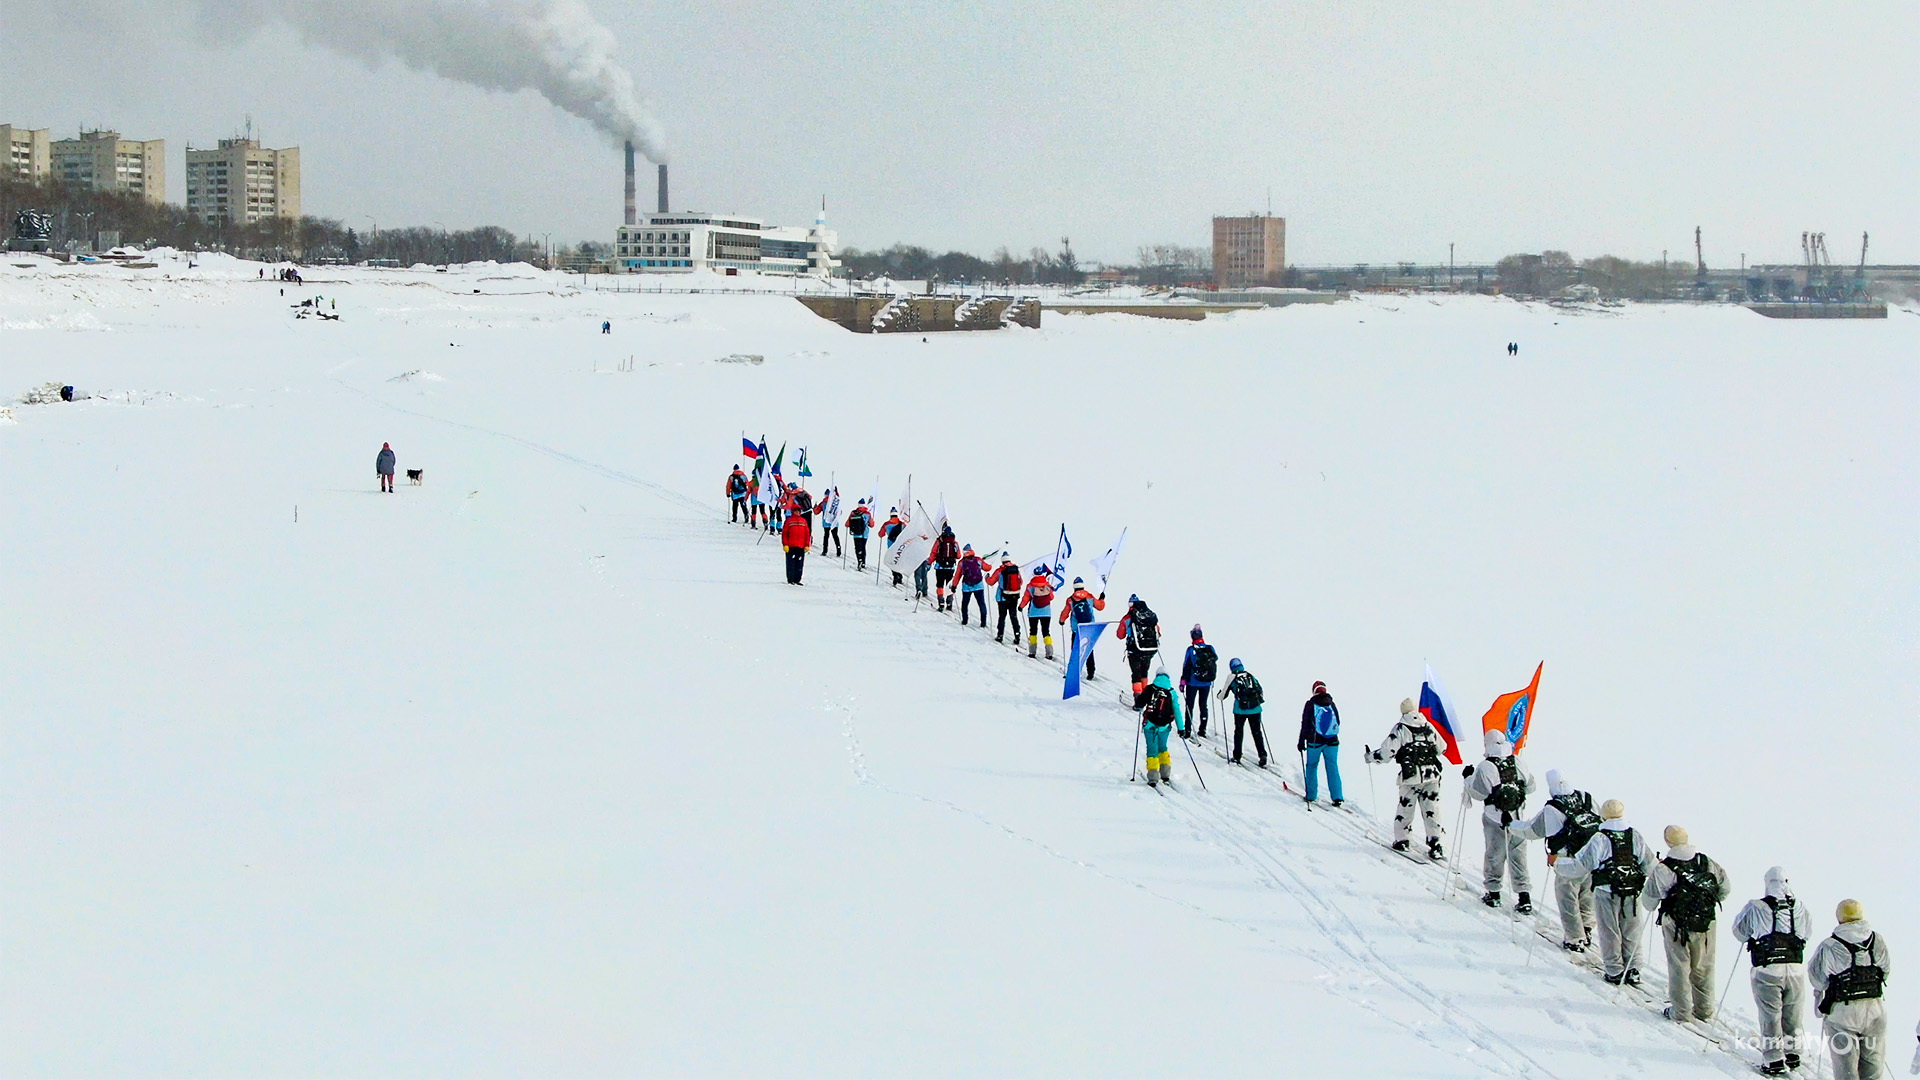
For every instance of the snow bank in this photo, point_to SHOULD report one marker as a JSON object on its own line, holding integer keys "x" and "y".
{"x": 539, "y": 767}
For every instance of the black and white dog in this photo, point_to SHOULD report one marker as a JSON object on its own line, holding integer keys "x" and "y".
{"x": 416, "y": 476}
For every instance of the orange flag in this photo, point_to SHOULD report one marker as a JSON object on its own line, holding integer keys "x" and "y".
{"x": 1512, "y": 714}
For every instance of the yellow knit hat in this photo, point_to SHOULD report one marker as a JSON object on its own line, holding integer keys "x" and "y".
{"x": 1676, "y": 836}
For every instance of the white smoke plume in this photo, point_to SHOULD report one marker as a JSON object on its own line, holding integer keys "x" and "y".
{"x": 554, "y": 47}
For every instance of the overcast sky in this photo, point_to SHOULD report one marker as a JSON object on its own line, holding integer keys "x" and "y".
{"x": 1384, "y": 131}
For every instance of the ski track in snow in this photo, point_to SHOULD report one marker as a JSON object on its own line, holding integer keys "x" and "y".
{"x": 1353, "y": 962}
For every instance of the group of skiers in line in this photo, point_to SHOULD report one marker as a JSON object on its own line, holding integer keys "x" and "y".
{"x": 1607, "y": 881}
{"x": 1606, "y": 877}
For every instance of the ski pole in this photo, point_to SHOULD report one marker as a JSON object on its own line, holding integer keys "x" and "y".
{"x": 1730, "y": 975}
{"x": 1135, "y": 774}
{"x": 1453, "y": 864}
{"x": 1373, "y": 793}
{"x": 1188, "y": 743}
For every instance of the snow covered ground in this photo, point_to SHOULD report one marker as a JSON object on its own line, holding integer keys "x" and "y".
{"x": 540, "y": 768}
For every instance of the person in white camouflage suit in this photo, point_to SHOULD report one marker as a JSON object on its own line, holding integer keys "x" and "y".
{"x": 1415, "y": 747}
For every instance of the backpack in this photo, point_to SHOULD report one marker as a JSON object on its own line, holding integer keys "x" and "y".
{"x": 1580, "y": 825}
{"x": 1206, "y": 663}
{"x": 971, "y": 571}
{"x": 1777, "y": 946}
{"x": 1040, "y": 590}
{"x": 1009, "y": 582}
{"x": 1083, "y": 609}
{"x": 857, "y": 523}
{"x": 1157, "y": 706}
{"x": 1246, "y": 691}
{"x": 1326, "y": 721}
{"x": 1146, "y": 628}
{"x": 1621, "y": 872}
{"x": 1507, "y": 796}
{"x": 1689, "y": 905}
{"x": 946, "y": 549}
{"x": 737, "y": 485}
{"x": 1856, "y": 981}
{"x": 1416, "y": 754}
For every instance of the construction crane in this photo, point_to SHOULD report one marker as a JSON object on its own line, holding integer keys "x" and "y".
{"x": 1860, "y": 274}
{"x": 1699, "y": 259}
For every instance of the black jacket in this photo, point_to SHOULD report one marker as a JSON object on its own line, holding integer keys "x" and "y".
{"x": 1309, "y": 736}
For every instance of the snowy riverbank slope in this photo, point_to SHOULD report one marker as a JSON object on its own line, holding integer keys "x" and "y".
{"x": 538, "y": 768}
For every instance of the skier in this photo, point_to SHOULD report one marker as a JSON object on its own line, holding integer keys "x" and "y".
{"x": 1776, "y": 928}
{"x": 829, "y": 511}
{"x": 1566, "y": 822}
{"x": 920, "y": 578}
{"x": 859, "y": 524}
{"x": 1159, "y": 712}
{"x": 971, "y": 574}
{"x": 1415, "y": 747}
{"x": 737, "y": 495}
{"x": 1038, "y": 600}
{"x": 946, "y": 556}
{"x": 1690, "y": 888}
{"x": 1247, "y": 697}
{"x": 1849, "y": 974}
{"x": 1502, "y": 785}
{"x": 1197, "y": 672}
{"x": 1006, "y": 592}
{"x": 1621, "y": 864}
{"x": 1320, "y": 741}
{"x": 383, "y": 465}
{"x": 796, "y": 501}
{"x": 890, "y": 532}
{"x": 774, "y": 494}
{"x": 797, "y": 537}
{"x": 755, "y": 504}
{"x": 1141, "y": 629}
{"x": 1081, "y": 608}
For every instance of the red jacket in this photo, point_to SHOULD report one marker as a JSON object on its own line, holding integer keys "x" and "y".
{"x": 797, "y": 532}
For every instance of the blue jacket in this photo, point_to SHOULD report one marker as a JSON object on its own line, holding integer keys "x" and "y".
{"x": 384, "y": 463}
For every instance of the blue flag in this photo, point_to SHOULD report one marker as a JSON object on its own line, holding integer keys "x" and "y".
{"x": 1085, "y": 637}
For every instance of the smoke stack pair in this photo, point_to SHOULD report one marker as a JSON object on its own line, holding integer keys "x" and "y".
{"x": 632, "y": 210}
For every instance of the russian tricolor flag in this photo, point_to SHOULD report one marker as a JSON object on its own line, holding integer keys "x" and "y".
{"x": 748, "y": 449}
{"x": 1434, "y": 706}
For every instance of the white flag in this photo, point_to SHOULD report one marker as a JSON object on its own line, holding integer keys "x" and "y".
{"x": 1103, "y": 564}
{"x": 904, "y": 505}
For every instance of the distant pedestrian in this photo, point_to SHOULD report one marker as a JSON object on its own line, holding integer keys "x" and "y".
{"x": 383, "y": 464}
{"x": 606, "y": 327}
{"x": 829, "y": 511}
{"x": 796, "y": 535}
{"x": 1247, "y": 697}
{"x": 859, "y": 524}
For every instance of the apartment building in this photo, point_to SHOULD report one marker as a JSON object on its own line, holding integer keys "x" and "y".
{"x": 1249, "y": 250}
{"x": 28, "y": 153}
{"x": 241, "y": 182}
{"x": 103, "y": 161}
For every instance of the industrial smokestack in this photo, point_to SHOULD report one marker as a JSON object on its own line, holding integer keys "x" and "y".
{"x": 663, "y": 187}
{"x": 632, "y": 210}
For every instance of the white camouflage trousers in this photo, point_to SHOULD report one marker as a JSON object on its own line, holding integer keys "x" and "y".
{"x": 1779, "y": 995}
{"x": 1574, "y": 898}
{"x": 1426, "y": 794}
{"x": 1621, "y": 923}
{"x": 1689, "y": 972}
{"x": 1506, "y": 856}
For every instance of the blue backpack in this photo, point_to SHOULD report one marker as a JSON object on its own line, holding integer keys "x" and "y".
{"x": 1326, "y": 721}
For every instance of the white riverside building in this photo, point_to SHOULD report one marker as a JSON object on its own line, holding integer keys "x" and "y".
{"x": 684, "y": 241}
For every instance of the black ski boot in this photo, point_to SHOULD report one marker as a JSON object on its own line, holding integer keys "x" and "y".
{"x": 1793, "y": 1060}
{"x": 1523, "y": 906}
{"x": 1402, "y": 845}
{"x": 1633, "y": 977}
{"x": 1492, "y": 899}
{"x": 1433, "y": 849}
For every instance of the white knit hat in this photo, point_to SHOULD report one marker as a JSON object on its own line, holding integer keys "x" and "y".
{"x": 1613, "y": 810}
{"x": 1406, "y": 706}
